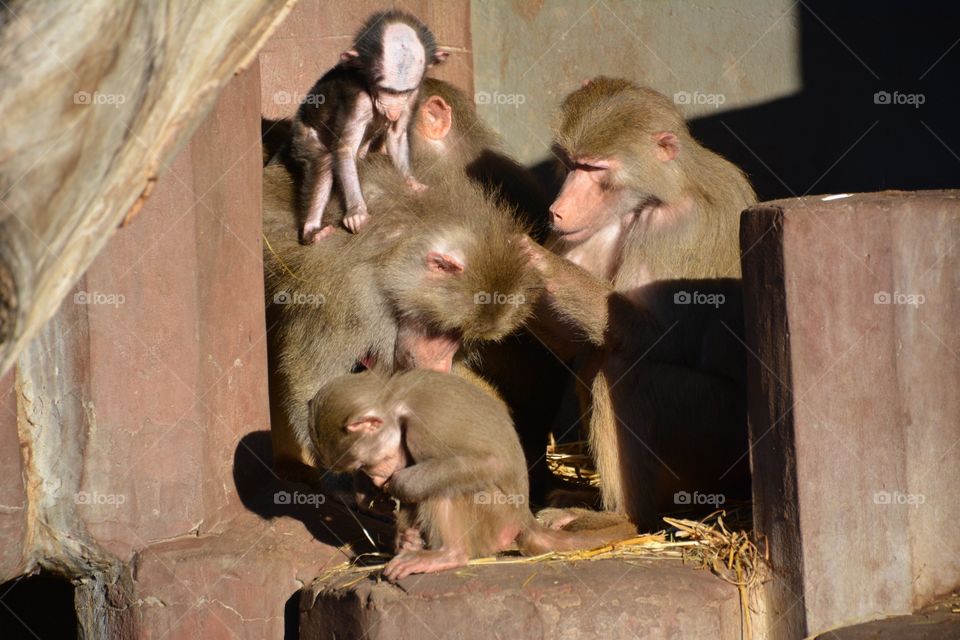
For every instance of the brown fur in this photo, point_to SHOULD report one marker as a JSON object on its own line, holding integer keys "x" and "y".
{"x": 352, "y": 293}
{"x": 344, "y": 112}
{"x": 462, "y": 469}
{"x": 448, "y": 135}
{"x": 657, "y": 372}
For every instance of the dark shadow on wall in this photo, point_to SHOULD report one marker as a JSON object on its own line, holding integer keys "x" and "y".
{"x": 834, "y": 136}
{"x": 320, "y": 509}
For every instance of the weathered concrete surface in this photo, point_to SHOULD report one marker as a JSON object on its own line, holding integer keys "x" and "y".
{"x": 851, "y": 311}
{"x": 312, "y": 37}
{"x": 714, "y": 56}
{"x": 234, "y": 584}
{"x": 600, "y": 599}
{"x": 176, "y": 366}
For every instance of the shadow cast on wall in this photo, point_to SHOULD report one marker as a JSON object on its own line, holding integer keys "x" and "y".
{"x": 321, "y": 512}
{"x": 878, "y": 109}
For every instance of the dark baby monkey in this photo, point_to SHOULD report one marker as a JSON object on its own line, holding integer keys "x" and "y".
{"x": 448, "y": 452}
{"x": 370, "y": 93}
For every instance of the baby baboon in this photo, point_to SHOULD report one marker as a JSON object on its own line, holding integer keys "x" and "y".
{"x": 371, "y": 92}
{"x": 447, "y": 450}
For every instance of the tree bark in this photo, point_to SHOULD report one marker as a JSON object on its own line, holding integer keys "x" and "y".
{"x": 97, "y": 98}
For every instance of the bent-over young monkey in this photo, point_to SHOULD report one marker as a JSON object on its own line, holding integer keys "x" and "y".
{"x": 442, "y": 268}
{"x": 372, "y": 91}
{"x": 448, "y": 452}
{"x": 647, "y": 220}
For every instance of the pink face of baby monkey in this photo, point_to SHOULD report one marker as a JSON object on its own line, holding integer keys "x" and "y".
{"x": 401, "y": 71}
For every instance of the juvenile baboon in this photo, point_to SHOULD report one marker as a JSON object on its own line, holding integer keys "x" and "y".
{"x": 440, "y": 268}
{"x": 371, "y": 92}
{"x": 449, "y": 453}
{"x": 646, "y": 224}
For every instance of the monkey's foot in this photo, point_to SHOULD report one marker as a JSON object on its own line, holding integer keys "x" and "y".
{"x": 312, "y": 235}
{"x": 355, "y": 219}
{"x": 414, "y": 184}
{"x": 409, "y": 540}
{"x": 410, "y": 562}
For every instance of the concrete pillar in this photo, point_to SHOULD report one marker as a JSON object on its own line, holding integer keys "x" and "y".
{"x": 851, "y": 306}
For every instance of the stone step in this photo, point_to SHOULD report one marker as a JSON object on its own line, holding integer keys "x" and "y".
{"x": 936, "y": 622}
{"x": 586, "y": 599}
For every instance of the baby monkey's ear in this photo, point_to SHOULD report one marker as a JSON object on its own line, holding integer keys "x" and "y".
{"x": 365, "y": 425}
{"x": 439, "y": 57}
{"x": 351, "y": 57}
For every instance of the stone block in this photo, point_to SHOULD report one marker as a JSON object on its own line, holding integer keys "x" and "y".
{"x": 851, "y": 306}
{"x": 563, "y": 600}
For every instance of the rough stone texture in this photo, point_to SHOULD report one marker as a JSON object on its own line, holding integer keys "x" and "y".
{"x": 312, "y": 37}
{"x": 233, "y": 584}
{"x": 176, "y": 369}
{"x": 600, "y": 599}
{"x": 854, "y": 416}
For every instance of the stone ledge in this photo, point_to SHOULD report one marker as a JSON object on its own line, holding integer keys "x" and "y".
{"x": 588, "y": 599}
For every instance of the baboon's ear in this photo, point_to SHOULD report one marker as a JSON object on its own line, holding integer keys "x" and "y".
{"x": 365, "y": 425}
{"x": 443, "y": 263}
{"x": 436, "y": 118}
{"x": 668, "y": 146}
